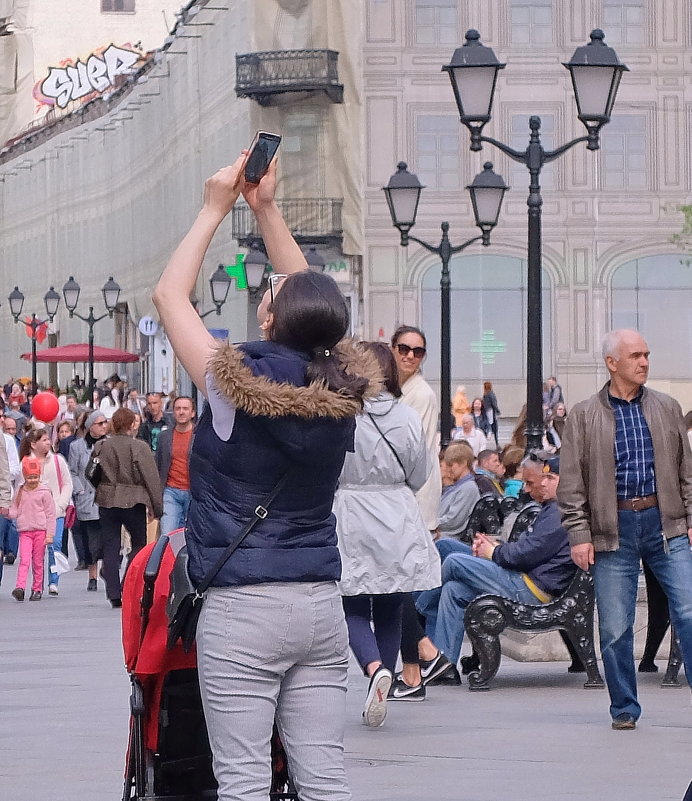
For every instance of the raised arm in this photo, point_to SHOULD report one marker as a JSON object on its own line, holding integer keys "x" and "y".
{"x": 282, "y": 250}
{"x": 192, "y": 343}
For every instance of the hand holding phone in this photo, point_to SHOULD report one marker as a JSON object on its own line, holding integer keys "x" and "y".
{"x": 259, "y": 156}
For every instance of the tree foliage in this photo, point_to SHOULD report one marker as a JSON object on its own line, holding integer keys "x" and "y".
{"x": 683, "y": 239}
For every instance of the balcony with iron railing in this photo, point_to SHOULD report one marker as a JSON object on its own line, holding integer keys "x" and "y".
{"x": 266, "y": 75}
{"x": 312, "y": 221}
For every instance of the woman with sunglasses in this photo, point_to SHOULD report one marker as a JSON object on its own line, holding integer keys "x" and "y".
{"x": 409, "y": 348}
{"x": 271, "y": 639}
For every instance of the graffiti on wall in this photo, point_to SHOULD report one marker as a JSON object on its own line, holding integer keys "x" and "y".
{"x": 84, "y": 80}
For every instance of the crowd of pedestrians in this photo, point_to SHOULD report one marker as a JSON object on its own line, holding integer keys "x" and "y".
{"x": 109, "y": 524}
{"x": 362, "y": 537}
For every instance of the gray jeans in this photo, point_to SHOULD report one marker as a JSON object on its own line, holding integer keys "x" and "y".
{"x": 269, "y": 651}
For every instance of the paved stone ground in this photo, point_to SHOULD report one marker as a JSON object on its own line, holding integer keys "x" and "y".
{"x": 537, "y": 734}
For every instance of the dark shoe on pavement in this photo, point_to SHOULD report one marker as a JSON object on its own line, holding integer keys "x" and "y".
{"x": 81, "y": 566}
{"x": 9, "y": 558}
{"x": 91, "y": 585}
{"x": 449, "y": 679}
{"x": 375, "y": 707}
{"x": 18, "y": 594}
{"x": 116, "y": 603}
{"x": 431, "y": 669}
{"x": 624, "y": 722}
{"x": 469, "y": 664}
{"x": 647, "y": 667}
{"x": 576, "y": 667}
{"x": 400, "y": 691}
{"x": 35, "y": 595}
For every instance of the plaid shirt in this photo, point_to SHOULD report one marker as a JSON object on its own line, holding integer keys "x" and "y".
{"x": 634, "y": 449}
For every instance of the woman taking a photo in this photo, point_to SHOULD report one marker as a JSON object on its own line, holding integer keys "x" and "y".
{"x": 271, "y": 638}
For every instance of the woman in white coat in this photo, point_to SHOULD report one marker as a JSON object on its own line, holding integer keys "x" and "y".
{"x": 385, "y": 546}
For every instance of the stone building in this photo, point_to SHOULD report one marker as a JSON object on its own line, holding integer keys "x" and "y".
{"x": 355, "y": 87}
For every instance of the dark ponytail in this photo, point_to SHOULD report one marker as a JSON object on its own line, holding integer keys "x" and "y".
{"x": 310, "y": 314}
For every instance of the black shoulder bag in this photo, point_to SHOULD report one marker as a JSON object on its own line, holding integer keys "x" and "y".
{"x": 93, "y": 472}
{"x": 391, "y": 448}
{"x": 185, "y": 601}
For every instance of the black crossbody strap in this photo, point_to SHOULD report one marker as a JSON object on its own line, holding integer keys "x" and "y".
{"x": 260, "y": 513}
{"x": 391, "y": 447}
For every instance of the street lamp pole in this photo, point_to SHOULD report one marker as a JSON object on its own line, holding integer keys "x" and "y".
{"x": 51, "y": 301}
{"x": 596, "y": 72}
{"x": 403, "y": 193}
{"x": 111, "y": 294}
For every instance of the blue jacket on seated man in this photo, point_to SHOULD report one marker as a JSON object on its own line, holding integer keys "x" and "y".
{"x": 533, "y": 570}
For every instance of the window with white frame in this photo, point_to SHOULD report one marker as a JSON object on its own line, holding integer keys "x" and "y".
{"x": 437, "y": 153}
{"x": 436, "y": 22}
{"x": 488, "y": 322}
{"x": 531, "y": 22}
{"x": 653, "y": 295}
{"x": 301, "y": 151}
{"x": 623, "y": 144}
{"x": 117, "y": 6}
{"x": 624, "y": 22}
{"x": 519, "y": 175}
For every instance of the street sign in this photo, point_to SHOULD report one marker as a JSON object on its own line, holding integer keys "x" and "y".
{"x": 148, "y": 326}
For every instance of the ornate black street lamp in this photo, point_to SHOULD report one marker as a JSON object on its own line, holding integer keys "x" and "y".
{"x": 403, "y": 194}
{"x": 596, "y": 72}
{"x": 51, "y": 300}
{"x": 219, "y": 283}
{"x": 111, "y": 294}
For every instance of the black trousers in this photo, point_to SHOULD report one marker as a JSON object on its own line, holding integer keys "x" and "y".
{"x": 112, "y": 519}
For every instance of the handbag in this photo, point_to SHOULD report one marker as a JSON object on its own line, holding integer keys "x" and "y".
{"x": 93, "y": 472}
{"x": 185, "y": 600}
{"x": 392, "y": 449}
{"x": 70, "y": 511}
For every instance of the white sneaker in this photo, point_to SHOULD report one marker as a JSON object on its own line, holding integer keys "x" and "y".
{"x": 375, "y": 709}
{"x": 52, "y": 589}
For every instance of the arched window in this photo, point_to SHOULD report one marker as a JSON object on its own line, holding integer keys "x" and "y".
{"x": 488, "y": 331}
{"x": 654, "y": 296}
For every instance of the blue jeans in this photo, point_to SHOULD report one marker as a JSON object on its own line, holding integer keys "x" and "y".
{"x": 427, "y": 601}
{"x": 176, "y": 502}
{"x": 616, "y": 575}
{"x": 56, "y": 545}
{"x": 465, "y": 577}
{"x": 9, "y": 536}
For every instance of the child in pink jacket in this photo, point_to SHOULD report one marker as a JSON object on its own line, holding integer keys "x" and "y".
{"x": 34, "y": 510}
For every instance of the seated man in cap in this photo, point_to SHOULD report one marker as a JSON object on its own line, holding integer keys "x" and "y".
{"x": 533, "y": 570}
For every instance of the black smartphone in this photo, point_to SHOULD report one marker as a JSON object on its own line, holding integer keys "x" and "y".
{"x": 260, "y": 155}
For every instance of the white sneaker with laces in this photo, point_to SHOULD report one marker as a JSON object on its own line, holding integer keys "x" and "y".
{"x": 52, "y": 589}
{"x": 375, "y": 708}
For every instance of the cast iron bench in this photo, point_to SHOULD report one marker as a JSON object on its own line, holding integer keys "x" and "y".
{"x": 489, "y": 615}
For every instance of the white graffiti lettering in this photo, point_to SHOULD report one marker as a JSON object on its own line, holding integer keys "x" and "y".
{"x": 79, "y": 80}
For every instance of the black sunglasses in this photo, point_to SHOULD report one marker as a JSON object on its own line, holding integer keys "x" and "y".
{"x": 404, "y": 350}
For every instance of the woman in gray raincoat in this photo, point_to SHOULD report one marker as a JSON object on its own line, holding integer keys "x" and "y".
{"x": 385, "y": 546}
{"x": 83, "y": 493}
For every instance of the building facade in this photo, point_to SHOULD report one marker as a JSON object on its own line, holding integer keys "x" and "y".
{"x": 355, "y": 87}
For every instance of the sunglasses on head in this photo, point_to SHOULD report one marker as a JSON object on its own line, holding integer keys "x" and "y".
{"x": 404, "y": 350}
{"x": 274, "y": 280}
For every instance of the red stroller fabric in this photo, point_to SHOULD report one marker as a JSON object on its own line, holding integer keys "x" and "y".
{"x": 148, "y": 658}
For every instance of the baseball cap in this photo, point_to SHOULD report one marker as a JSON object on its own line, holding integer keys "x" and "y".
{"x": 31, "y": 466}
{"x": 551, "y": 462}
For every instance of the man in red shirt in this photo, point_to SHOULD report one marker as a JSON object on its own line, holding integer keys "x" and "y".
{"x": 173, "y": 460}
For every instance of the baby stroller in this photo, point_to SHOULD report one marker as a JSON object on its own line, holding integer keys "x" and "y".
{"x": 168, "y": 752}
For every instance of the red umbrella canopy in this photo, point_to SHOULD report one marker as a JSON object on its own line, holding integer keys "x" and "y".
{"x": 80, "y": 353}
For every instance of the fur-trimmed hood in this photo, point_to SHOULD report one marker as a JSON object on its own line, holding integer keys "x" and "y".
{"x": 259, "y": 395}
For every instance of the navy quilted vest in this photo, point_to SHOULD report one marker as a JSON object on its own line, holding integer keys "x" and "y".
{"x": 297, "y": 541}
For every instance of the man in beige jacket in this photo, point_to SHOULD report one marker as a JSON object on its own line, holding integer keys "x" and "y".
{"x": 626, "y": 494}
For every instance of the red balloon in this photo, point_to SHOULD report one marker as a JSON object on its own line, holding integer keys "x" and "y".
{"x": 45, "y": 407}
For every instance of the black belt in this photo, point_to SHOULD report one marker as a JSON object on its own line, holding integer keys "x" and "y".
{"x": 637, "y": 504}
